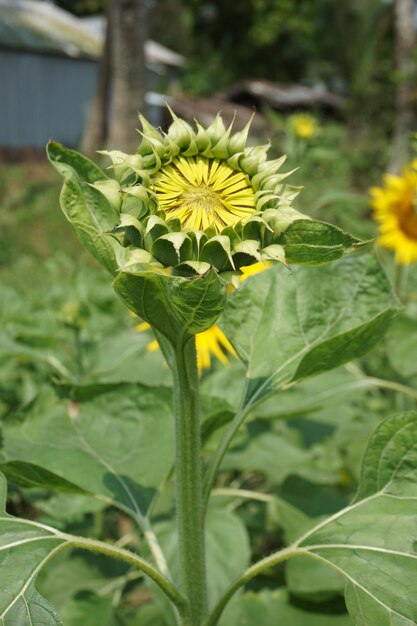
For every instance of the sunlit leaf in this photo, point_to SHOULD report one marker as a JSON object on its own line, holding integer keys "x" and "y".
{"x": 289, "y": 326}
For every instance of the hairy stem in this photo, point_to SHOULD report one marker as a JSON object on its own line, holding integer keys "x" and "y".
{"x": 188, "y": 480}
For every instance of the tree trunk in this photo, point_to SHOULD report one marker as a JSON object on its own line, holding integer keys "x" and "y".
{"x": 405, "y": 101}
{"x": 95, "y": 130}
{"x": 128, "y": 34}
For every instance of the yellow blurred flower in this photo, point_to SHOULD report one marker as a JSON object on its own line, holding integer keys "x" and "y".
{"x": 395, "y": 208}
{"x": 303, "y": 125}
{"x": 212, "y": 342}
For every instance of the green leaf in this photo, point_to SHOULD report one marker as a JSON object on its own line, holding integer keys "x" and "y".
{"x": 86, "y": 445}
{"x": 276, "y": 455}
{"x": 316, "y": 397}
{"x": 305, "y": 578}
{"x": 122, "y": 357}
{"x": 25, "y": 547}
{"x": 72, "y": 572}
{"x": 289, "y": 326}
{"x": 309, "y": 242}
{"x": 173, "y": 305}
{"x": 31, "y": 475}
{"x": 86, "y": 208}
{"x": 270, "y": 453}
{"x": 63, "y": 158}
{"x": 226, "y": 383}
{"x": 373, "y": 541}
{"x": 148, "y": 615}
{"x": 401, "y": 344}
{"x": 312, "y": 581}
{"x": 89, "y": 609}
{"x": 273, "y": 608}
{"x": 66, "y": 508}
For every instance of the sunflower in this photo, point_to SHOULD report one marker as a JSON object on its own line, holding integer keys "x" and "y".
{"x": 176, "y": 222}
{"x": 211, "y": 342}
{"x": 192, "y": 199}
{"x": 303, "y": 125}
{"x": 395, "y": 208}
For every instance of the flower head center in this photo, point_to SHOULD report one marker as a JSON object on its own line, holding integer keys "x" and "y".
{"x": 407, "y": 218}
{"x": 204, "y": 193}
{"x": 201, "y": 197}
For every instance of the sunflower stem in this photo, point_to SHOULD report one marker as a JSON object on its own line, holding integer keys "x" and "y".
{"x": 188, "y": 480}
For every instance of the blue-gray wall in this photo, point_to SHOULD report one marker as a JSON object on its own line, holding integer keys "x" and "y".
{"x": 43, "y": 97}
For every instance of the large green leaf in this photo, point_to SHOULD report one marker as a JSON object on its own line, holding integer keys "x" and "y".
{"x": 72, "y": 572}
{"x": 289, "y": 326}
{"x": 373, "y": 542}
{"x": 82, "y": 587}
{"x": 307, "y": 579}
{"x": 24, "y": 548}
{"x": 309, "y": 242}
{"x": 62, "y": 509}
{"x": 273, "y": 608}
{"x": 89, "y": 609}
{"x": 86, "y": 208}
{"x": 401, "y": 345}
{"x": 148, "y": 615}
{"x": 124, "y": 357}
{"x": 30, "y": 475}
{"x": 317, "y": 397}
{"x": 117, "y": 446}
{"x": 273, "y": 450}
{"x": 173, "y": 305}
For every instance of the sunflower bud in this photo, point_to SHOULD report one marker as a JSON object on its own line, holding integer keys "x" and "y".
{"x": 190, "y": 203}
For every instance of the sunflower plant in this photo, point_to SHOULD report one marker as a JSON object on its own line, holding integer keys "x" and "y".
{"x": 182, "y": 226}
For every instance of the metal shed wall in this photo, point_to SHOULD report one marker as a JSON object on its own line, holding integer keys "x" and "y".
{"x": 43, "y": 97}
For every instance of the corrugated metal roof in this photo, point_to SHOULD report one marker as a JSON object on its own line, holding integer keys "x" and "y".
{"x": 154, "y": 51}
{"x": 42, "y": 27}
{"x": 157, "y": 53}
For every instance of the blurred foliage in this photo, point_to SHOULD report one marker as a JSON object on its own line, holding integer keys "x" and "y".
{"x": 345, "y": 45}
{"x": 82, "y": 8}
